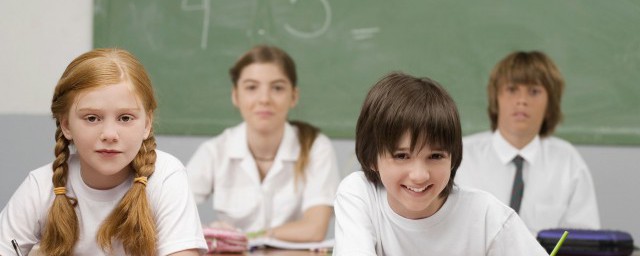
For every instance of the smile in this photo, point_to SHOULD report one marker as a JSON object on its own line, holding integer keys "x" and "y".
{"x": 417, "y": 190}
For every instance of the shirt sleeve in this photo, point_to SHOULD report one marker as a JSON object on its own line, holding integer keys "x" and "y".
{"x": 200, "y": 172}
{"x": 514, "y": 238}
{"x": 20, "y": 218}
{"x": 354, "y": 230}
{"x": 582, "y": 211}
{"x": 322, "y": 176}
{"x": 178, "y": 222}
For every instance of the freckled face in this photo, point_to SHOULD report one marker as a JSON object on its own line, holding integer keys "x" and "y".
{"x": 414, "y": 180}
{"x": 264, "y": 95}
{"x": 107, "y": 126}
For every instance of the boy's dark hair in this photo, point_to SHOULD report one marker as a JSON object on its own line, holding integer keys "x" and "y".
{"x": 401, "y": 103}
{"x": 528, "y": 68}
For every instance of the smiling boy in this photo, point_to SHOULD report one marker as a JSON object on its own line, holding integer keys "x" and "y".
{"x": 404, "y": 202}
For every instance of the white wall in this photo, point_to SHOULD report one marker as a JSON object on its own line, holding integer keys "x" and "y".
{"x": 38, "y": 38}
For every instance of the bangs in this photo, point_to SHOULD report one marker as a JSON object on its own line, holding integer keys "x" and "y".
{"x": 425, "y": 114}
{"x": 525, "y": 69}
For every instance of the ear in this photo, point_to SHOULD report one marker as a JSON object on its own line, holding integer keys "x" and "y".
{"x": 64, "y": 126}
{"x": 234, "y": 96}
{"x": 295, "y": 96}
{"x": 147, "y": 126}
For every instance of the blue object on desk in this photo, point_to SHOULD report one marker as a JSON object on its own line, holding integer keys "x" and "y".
{"x": 581, "y": 242}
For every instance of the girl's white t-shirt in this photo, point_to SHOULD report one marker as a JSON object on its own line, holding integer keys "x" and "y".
{"x": 177, "y": 222}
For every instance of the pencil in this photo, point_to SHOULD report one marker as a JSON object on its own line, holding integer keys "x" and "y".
{"x": 557, "y": 248}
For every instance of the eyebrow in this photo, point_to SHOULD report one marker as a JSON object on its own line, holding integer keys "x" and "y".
{"x": 98, "y": 109}
{"x": 249, "y": 80}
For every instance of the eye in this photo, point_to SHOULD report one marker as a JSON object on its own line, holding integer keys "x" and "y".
{"x": 126, "y": 118}
{"x": 250, "y": 87}
{"x": 401, "y": 156}
{"x": 91, "y": 118}
{"x": 533, "y": 91}
{"x": 278, "y": 87}
{"x": 439, "y": 155}
{"x": 512, "y": 89}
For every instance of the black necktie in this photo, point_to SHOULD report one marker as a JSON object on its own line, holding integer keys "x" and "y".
{"x": 518, "y": 185}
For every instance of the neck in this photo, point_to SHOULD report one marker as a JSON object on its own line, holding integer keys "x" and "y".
{"x": 264, "y": 145}
{"x": 518, "y": 141}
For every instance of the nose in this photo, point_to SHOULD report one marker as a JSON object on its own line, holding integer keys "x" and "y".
{"x": 522, "y": 96}
{"x": 109, "y": 132}
{"x": 419, "y": 173}
{"x": 264, "y": 95}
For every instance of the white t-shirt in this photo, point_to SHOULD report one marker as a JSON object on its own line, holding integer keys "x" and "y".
{"x": 471, "y": 222}
{"x": 177, "y": 222}
{"x": 558, "y": 188}
{"x": 224, "y": 167}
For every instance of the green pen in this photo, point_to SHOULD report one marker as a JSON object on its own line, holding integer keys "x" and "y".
{"x": 557, "y": 248}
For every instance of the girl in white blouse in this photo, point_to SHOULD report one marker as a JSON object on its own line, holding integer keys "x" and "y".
{"x": 267, "y": 174}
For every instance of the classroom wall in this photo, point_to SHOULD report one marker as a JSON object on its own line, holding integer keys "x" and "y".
{"x": 39, "y": 38}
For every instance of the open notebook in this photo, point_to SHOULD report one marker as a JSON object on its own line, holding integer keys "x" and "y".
{"x": 272, "y": 242}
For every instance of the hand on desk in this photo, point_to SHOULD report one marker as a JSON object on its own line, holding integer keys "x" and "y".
{"x": 222, "y": 237}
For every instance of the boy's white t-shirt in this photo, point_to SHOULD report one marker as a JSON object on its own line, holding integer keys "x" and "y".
{"x": 471, "y": 222}
{"x": 177, "y": 222}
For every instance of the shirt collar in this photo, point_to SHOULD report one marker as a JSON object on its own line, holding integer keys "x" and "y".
{"x": 506, "y": 152}
{"x": 239, "y": 148}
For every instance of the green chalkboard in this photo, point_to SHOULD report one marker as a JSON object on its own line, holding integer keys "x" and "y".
{"x": 343, "y": 46}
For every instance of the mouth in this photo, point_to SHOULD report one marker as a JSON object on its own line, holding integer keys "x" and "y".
{"x": 107, "y": 151}
{"x": 520, "y": 115}
{"x": 417, "y": 189}
{"x": 264, "y": 113}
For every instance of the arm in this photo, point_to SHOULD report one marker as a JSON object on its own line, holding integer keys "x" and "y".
{"x": 311, "y": 228}
{"x": 191, "y": 252}
{"x": 178, "y": 225}
{"x": 21, "y": 216}
{"x": 354, "y": 228}
{"x": 514, "y": 238}
{"x": 582, "y": 211}
{"x": 200, "y": 172}
{"x": 321, "y": 176}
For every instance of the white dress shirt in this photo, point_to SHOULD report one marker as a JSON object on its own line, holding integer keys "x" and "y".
{"x": 558, "y": 188}
{"x": 224, "y": 167}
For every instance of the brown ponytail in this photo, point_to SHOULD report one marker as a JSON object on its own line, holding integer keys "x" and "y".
{"x": 132, "y": 221}
{"x": 306, "y": 136}
{"x": 61, "y": 230}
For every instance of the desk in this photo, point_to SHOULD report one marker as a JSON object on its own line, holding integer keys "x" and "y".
{"x": 276, "y": 252}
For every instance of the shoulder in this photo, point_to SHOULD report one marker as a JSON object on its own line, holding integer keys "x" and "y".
{"x": 477, "y": 138}
{"x": 356, "y": 183}
{"x": 42, "y": 175}
{"x": 166, "y": 166}
{"x": 558, "y": 145}
{"x": 322, "y": 142}
{"x": 218, "y": 146}
{"x": 231, "y": 134}
{"x": 479, "y": 201}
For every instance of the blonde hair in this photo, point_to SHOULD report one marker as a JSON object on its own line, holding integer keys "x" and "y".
{"x": 131, "y": 222}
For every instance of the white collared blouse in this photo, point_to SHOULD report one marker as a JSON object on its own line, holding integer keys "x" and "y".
{"x": 224, "y": 167}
